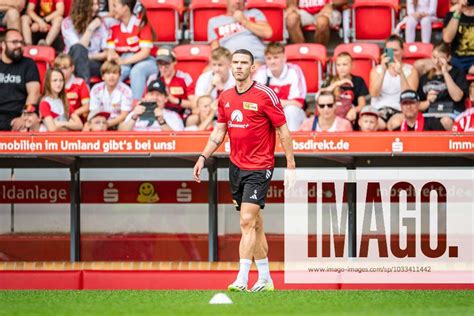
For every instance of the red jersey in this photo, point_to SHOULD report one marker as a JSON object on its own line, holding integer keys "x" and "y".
{"x": 251, "y": 119}
{"x": 312, "y": 6}
{"x": 45, "y": 7}
{"x": 77, "y": 93}
{"x": 181, "y": 86}
{"x": 129, "y": 38}
{"x": 465, "y": 121}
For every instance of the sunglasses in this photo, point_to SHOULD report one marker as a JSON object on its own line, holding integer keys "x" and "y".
{"x": 329, "y": 105}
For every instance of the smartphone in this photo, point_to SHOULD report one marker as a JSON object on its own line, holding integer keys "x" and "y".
{"x": 149, "y": 114}
{"x": 389, "y": 53}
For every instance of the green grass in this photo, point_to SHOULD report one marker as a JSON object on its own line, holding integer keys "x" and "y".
{"x": 277, "y": 303}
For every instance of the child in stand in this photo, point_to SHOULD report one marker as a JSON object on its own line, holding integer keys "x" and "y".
{"x": 43, "y": 16}
{"x": 54, "y": 108}
{"x": 77, "y": 91}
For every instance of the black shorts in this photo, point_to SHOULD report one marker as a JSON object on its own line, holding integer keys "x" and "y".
{"x": 249, "y": 186}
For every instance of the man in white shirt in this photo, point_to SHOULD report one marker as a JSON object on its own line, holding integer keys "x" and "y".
{"x": 219, "y": 78}
{"x": 287, "y": 81}
{"x": 150, "y": 113}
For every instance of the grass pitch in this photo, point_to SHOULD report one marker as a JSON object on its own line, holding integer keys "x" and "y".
{"x": 271, "y": 303}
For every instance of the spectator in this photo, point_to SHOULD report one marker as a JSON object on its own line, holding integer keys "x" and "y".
{"x": 178, "y": 83}
{"x": 288, "y": 82}
{"x": 31, "y": 118}
{"x": 458, "y": 32}
{"x": 219, "y": 78}
{"x": 157, "y": 118}
{"x": 368, "y": 119}
{"x": 53, "y": 107}
{"x": 388, "y": 80}
{"x": 465, "y": 121}
{"x": 77, "y": 91}
{"x": 350, "y": 90}
{"x": 19, "y": 81}
{"x": 85, "y": 37}
{"x": 443, "y": 85}
{"x": 327, "y": 120}
{"x": 42, "y": 16}
{"x": 130, "y": 44}
{"x": 413, "y": 120}
{"x": 320, "y": 13}
{"x": 111, "y": 95}
{"x": 96, "y": 121}
{"x": 239, "y": 26}
{"x": 421, "y": 12}
{"x": 205, "y": 117}
{"x": 10, "y": 13}
{"x": 470, "y": 100}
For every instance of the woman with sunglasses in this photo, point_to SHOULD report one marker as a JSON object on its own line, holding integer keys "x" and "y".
{"x": 327, "y": 120}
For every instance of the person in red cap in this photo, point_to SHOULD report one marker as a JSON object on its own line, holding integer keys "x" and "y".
{"x": 31, "y": 118}
{"x": 97, "y": 121}
{"x": 368, "y": 119}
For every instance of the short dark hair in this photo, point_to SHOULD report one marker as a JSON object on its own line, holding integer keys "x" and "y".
{"x": 325, "y": 93}
{"x": 11, "y": 30}
{"x": 394, "y": 38}
{"x": 244, "y": 52}
{"x": 274, "y": 48}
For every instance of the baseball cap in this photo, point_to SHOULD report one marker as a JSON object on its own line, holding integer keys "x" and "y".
{"x": 369, "y": 110}
{"x": 157, "y": 85}
{"x": 166, "y": 54}
{"x": 409, "y": 96}
{"x": 31, "y": 108}
{"x": 98, "y": 112}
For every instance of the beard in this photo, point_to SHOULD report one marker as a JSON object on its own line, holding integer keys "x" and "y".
{"x": 14, "y": 54}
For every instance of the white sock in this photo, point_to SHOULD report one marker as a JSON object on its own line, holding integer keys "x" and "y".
{"x": 244, "y": 269}
{"x": 263, "y": 269}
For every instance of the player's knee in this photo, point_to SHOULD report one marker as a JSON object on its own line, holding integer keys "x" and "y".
{"x": 248, "y": 222}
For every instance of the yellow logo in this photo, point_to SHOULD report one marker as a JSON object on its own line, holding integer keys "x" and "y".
{"x": 250, "y": 106}
{"x": 147, "y": 194}
{"x": 176, "y": 90}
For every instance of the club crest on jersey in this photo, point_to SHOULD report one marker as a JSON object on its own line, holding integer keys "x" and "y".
{"x": 227, "y": 105}
{"x": 250, "y": 106}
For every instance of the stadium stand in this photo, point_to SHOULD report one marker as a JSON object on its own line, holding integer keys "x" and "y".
{"x": 373, "y": 20}
{"x": 364, "y": 55}
{"x": 192, "y": 58}
{"x": 43, "y": 57}
{"x": 414, "y": 51}
{"x": 307, "y": 56}
{"x": 164, "y": 16}
{"x": 274, "y": 11}
{"x": 200, "y": 11}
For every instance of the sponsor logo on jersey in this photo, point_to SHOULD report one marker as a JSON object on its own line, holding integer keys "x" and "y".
{"x": 250, "y": 106}
{"x": 235, "y": 118}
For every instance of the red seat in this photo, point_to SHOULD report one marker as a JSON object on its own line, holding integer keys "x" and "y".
{"x": 414, "y": 51}
{"x": 192, "y": 58}
{"x": 274, "y": 11}
{"x": 43, "y": 57}
{"x": 200, "y": 11}
{"x": 312, "y": 60}
{"x": 373, "y": 20}
{"x": 164, "y": 16}
{"x": 67, "y": 7}
{"x": 364, "y": 55}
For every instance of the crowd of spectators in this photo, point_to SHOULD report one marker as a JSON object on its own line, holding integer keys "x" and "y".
{"x": 140, "y": 88}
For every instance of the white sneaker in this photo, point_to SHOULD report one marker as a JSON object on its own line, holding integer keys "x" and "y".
{"x": 263, "y": 285}
{"x": 237, "y": 286}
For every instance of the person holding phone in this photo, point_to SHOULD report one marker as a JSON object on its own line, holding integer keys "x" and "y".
{"x": 150, "y": 113}
{"x": 388, "y": 80}
{"x": 443, "y": 88}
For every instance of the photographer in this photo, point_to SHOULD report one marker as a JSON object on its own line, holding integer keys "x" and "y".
{"x": 150, "y": 113}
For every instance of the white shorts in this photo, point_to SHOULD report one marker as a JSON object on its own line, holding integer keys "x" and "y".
{"x": 310, "y": 19}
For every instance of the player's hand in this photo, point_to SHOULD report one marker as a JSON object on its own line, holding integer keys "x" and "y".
{"x": 18, "y": 123}
{"x": 290, "y": 178}
{"x": 239, "y": 15}
{"x": 139, "y": 110}
{"x": 198, "y": 168}
{"x": 158, "y": 112}
{"x": 351, "y": 115}
{"x": 432, "y": 96}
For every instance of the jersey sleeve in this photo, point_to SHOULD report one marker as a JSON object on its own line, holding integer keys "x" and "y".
{"x": 32, "y": 73}
{"x": 45, "y": 109}
{"x": 273, "y": 109}
{"x": 220, "y": 111}
{"x": 84, "y": 94}
{"x": 146, "y": 38}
